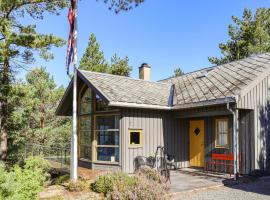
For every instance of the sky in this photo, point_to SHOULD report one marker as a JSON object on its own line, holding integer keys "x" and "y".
{"x": 166, "y": 34}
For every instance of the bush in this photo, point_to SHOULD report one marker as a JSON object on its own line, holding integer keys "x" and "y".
{"x": 145, "y": 190}
{"x": 37, "y": 163}
{"x": 61, "y": 179}
{"x": 146, "y": 184}
{"x": 21, "y": 183}
{"x": 106, "y": 182}
{"x": 150, "y": 174}
{"x": 77, "y": 186}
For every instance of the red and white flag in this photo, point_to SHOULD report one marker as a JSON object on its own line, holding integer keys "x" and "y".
{"x": 71, "y": 49}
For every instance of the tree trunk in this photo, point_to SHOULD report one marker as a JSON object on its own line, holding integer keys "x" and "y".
{"x": 4, "y": 110}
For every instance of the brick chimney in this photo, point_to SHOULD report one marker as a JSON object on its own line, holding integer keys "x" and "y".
{"x": 144, "y": 72}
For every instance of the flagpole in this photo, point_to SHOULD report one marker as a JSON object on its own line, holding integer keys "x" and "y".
{"x": 74, "y": 138}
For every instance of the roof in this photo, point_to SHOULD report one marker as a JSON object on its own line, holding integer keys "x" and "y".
{"x": 208, "y": 86}
{"x": 220, "y": 82}
{"x": 120, "y": 89}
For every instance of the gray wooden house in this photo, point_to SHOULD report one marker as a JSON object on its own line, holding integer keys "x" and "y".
{"x": 222, "y": 109}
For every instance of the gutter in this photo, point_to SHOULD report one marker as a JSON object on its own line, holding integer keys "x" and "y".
{"x": 235, "y": 140}
{"x": 171, "y": 107}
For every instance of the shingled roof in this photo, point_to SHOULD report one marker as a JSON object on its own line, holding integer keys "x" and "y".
{"x": 217, "y": 83}
{"x": 208, "y": 86}
{"x": 119, "y": 90}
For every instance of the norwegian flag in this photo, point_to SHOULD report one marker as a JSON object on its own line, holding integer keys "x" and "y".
{"x": 71, "y": 50}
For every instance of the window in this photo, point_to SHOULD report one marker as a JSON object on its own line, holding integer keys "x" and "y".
{"x": 135, "y": 138}
{"x": 107, "y": 138}
{"x": 222, "y": 135}
{"x": 86, "y": 102}
{"x": 85, "y": 109}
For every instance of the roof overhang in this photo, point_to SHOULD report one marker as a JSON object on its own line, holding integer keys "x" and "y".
{"x": 65, "y": 106}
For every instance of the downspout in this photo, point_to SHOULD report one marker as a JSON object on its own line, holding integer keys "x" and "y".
{"x": 235, "y": 141}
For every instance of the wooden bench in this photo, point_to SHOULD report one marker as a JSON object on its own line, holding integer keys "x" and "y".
{"x": 222, "y": 160}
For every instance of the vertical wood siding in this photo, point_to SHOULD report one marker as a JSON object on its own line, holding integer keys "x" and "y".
{"x": 158, "y": 128}
{"x": 257, "y": 99}
{"x": 152, "y": 134}
{"x": 246, "y": 142}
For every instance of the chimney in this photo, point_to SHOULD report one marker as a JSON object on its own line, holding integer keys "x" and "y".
{"x": 144, "y": 72}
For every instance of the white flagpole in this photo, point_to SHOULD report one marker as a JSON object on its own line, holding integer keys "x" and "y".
{"x": 74, "y": 138}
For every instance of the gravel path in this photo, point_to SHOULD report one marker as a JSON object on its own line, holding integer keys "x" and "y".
{"x": 258, "y": 190}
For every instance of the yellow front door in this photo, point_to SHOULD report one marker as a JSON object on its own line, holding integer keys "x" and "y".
{"x": 196, "y": 138}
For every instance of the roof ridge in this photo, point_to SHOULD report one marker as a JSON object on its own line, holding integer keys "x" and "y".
{"x": 124, "y": 77}
{"x": 216, "y": 66}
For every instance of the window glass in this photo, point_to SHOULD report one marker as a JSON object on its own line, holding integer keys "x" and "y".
{"x": 107, "y": 137}
{"x": 110, "y": 154}
{"x": 86, "y": 102}
{"x": 85, "y": 137}
{"x": 222, "y": 133}
{"x": 107, "y": 122}
{"x": 101, "y": 105}
{"x": 135, "y": 137}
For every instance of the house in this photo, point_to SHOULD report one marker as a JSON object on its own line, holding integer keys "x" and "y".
{"x": 222, "y": 109}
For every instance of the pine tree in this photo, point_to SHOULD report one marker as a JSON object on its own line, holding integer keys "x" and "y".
{"x": 93, "y": 58}
{"x": 178, "y": 72}
{"x": 18, "y": 42}
{"x": 120, "y": 66}
{"x": 250, "y": 35}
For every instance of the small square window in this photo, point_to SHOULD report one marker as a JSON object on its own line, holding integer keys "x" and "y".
{"x": 135, "y": 138}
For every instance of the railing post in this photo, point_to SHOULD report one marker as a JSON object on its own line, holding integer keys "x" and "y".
{"x": 61, "y": 158}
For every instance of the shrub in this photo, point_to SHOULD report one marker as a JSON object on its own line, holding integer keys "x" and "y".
{"x": 21, "y": 183}
{"x": 61, "y": 179}
{"x": 151, "y": 174}
{"x": 77, "y": 186}
{"x": 145, "y": 190}
{"x": 37, "y": 163}
{"x": 106, "y": 182}
{"x": 148, "y": 184}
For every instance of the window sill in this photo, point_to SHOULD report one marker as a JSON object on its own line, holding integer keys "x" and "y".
{"x": 106, "y": 162}
{"x": 222, "y": 147}
{"x": 135, "y": 146}
{"x": 85, "y": 160}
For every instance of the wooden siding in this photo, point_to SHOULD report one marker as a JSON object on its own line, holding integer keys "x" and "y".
{"x": 257, "y": 99}
{"x": 163, "y": 128}
{"x": 246, "y": 142}
{"x": 152, "y": 135}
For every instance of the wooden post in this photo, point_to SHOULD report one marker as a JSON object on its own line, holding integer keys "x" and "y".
{"x": 235, "y": 141}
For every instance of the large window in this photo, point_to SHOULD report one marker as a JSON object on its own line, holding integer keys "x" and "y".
{"x": 107, "y": 138}
{"x": 222, "y": 133}
{"x": 85, "y": 109}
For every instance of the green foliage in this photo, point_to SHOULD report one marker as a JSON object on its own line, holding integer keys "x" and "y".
{"x": 120, "y": 66}
{"x": 22, "y": 183}
{"x": 106, "y": 182}
{"x": 61, "y": 179}
{"x": 79, "y": 185}
{"x": 93, "y": 60}
{"x": 250, "y": 35}
{"x": 37, "y": 163}
{"x": 122, "y": 5}
{"x": 32, "y": 114}
{"x": 178, "y": 72}
{"x": 18, "y": 44}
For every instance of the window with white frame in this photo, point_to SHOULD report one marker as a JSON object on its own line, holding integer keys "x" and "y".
{"x": 222, "y": 133}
